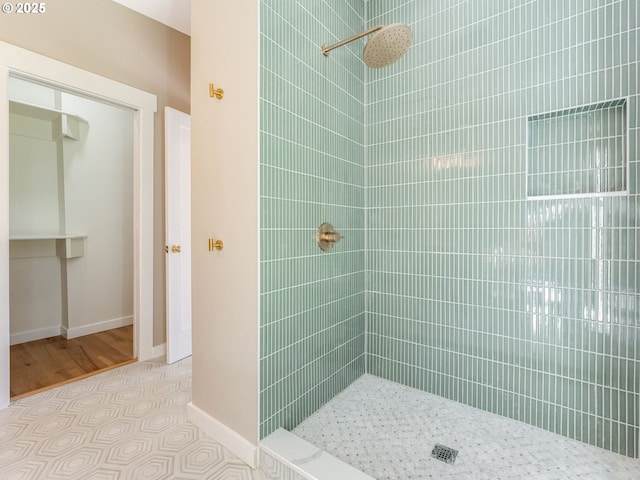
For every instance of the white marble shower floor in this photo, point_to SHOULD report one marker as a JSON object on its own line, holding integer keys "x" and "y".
{"x": 388, "y": 430}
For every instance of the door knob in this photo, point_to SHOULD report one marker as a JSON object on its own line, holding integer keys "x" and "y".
{"x": 175, "y": 248}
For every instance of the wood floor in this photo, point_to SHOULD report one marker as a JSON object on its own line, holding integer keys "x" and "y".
{"x": 46, "y": 363}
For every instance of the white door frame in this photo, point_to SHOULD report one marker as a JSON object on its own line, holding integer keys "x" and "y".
{"x": 30, "y": 65}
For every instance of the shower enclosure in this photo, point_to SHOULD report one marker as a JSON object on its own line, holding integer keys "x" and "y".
{"x": 487, "y": 187}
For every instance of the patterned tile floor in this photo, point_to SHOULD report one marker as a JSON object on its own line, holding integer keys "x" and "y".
{"x": 130, "y": 424}
{"x": 388, "y": 430}
{"x": 125, "y": 424}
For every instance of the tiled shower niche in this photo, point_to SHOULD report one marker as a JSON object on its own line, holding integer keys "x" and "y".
{"x": 578, "y": 151}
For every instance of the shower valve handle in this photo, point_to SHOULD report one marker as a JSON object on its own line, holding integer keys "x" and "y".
{"x": 327, "y": 236}
{"x": 330, "y": 237}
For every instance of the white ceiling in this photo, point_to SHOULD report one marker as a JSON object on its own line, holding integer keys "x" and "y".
{"x": 175, "y": 13}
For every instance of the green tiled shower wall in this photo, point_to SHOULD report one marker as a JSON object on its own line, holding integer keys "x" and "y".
{"x": 465, "y": 287}
{"x": 311, "y": 171}
{"x": 528, "y": 308}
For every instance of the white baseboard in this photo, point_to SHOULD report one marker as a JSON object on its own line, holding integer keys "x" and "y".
{"x": 75, "y": 332}
{"x": 237, "y": 444}
{"x": 160, "y": 350}
{"x": 31, "y": 335}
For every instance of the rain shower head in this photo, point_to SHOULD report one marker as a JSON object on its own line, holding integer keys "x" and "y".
{"x": 385, "y": 47}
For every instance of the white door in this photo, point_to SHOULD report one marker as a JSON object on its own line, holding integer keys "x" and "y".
{"x": 178, "y": 232}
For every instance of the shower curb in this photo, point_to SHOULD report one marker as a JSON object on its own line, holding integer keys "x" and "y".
{"x": 285, "y": 456}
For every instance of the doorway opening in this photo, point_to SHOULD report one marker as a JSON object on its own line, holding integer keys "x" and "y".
{"x": 70, "y": 235}
{"x": 18, "y": 62}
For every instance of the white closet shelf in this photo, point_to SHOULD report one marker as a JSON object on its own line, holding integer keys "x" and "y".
{"x": 54, "y": 245}
{"x": 63, "y": 124}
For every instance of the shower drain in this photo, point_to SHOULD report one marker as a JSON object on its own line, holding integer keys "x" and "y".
{"x": 444, "y": 454}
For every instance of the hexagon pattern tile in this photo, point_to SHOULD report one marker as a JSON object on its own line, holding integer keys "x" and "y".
{"x": 128, "y": 423}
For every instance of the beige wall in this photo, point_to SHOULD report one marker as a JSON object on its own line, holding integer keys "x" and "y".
{"x": 225, "y": 162}
{"x": 108, "y": 39}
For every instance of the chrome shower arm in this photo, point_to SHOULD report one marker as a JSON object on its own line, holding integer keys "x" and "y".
{"x": 326, "y": 49}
